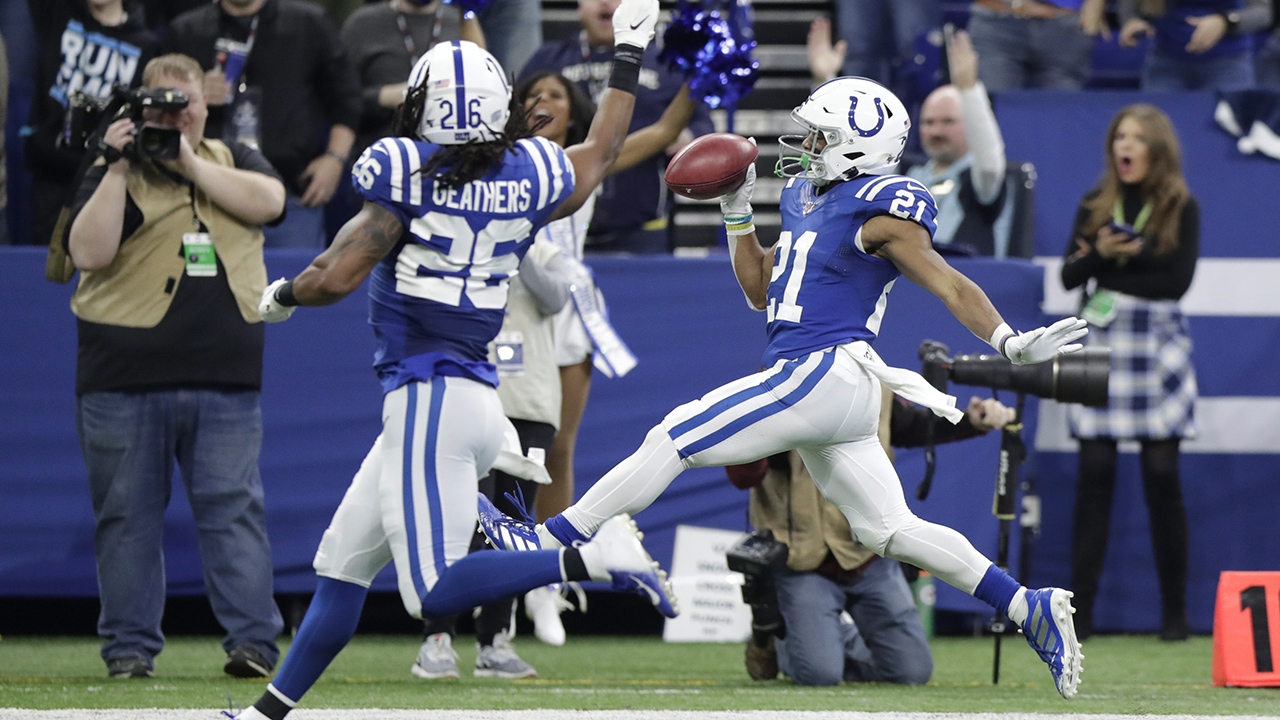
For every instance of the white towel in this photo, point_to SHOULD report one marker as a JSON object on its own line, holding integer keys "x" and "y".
{"x": 909, "y": 385}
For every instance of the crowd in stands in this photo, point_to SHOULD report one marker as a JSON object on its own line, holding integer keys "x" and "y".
{"x": 311, "y": 83}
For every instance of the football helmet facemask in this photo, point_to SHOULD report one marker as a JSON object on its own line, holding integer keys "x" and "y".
{"x": 865, "y": 127}
{"x": 464, "y": 93}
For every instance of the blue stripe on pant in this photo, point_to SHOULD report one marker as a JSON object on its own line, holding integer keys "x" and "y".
{"x": 429, "y": 478}
{"x": 712, "y": 439}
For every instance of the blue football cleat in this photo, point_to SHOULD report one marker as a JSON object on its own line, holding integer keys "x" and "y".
{"x": 1052, "y": 635}
{"x": 505, "y": 532}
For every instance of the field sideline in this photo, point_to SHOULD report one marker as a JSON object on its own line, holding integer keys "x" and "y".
{"x": 626, "y": 677}
{"x": 155, "y": 714}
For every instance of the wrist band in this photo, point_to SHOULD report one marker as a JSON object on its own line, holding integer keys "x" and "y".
{"x": 285, "y": 296}
{"x": 342, "y": 160}
{"x": 1000, "y": 337}
{"x": 739, "y": 224}
{"x": 625, "y": 75}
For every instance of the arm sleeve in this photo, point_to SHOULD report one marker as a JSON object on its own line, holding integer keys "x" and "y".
{"x": 1077, "y": 271}
{"x": 985, "y": 143}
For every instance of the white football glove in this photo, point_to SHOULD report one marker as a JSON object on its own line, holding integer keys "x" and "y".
{"x": 270, "y": 308}
{"x": 738, "y": 202}
{"x": 1042, "y": 343}
{"x": 634, "y": 21}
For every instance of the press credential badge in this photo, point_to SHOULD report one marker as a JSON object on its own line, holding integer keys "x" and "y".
{"x": 202, "y": 261}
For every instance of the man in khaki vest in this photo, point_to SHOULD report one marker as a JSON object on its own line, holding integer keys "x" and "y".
{"x": 170, "y": 367}
{"x": 828, "y": 571}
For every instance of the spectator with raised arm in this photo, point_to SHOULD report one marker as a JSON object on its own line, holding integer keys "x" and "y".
{"x": 632, "y": 208}
{"x": 966, "y": 164}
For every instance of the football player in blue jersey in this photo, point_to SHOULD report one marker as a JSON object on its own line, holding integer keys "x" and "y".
{"x": 451, "y": 205}
{"x": 850, "y": 228}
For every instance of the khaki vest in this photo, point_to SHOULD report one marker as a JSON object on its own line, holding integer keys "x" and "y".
{"x": 131, "y": 291}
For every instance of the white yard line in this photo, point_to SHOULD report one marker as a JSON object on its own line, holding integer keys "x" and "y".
{"x": 156, "y": 714}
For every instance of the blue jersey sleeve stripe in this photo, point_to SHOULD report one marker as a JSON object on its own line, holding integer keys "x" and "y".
{"x": 412, "y": 176}
{"x": 894, "y": 180}
{"x": 395, "y": 179}
{"x": 556, "y": 156}
{"x": 540, "y": 165}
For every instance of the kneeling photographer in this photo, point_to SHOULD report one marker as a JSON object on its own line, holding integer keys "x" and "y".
{"x": 166, "y": 232}
{"x": 820, "y": 570}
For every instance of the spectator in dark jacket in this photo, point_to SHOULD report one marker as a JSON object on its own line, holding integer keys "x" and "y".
{"x": 277, "y": 78}
{"x": 86, "y": 46}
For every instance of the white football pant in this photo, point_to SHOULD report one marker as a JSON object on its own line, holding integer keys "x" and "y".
{"x": 827, "y": 406}
{"x": 414, "y": 498}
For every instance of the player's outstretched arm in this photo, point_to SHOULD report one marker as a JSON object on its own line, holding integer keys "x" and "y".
{"x": 653, "y": 139}
{"x": 337, "y": 272}
{"x": 633, "y": 25}
{"x": 907, "y": 245}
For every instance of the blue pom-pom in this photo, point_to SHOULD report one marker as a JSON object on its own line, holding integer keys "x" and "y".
{"x": 715, "y": 58}
{"x": 469, "y": 8}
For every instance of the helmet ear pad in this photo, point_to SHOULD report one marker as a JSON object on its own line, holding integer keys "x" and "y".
{"x": 865, "y": 126}
{"x": 464, "y": 94}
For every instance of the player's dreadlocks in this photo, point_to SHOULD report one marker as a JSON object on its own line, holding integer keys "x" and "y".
{"x": 457, "y": 165}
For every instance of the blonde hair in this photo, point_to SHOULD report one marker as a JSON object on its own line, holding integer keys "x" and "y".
{"x": 1164, "y": 186}
{"x": 173, "y": 65}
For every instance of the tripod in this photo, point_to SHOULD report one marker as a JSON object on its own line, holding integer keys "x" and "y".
{"x": 1013, "y": 451}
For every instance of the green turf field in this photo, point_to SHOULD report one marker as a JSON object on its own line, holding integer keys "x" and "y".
{"x": 1122, "y": 674}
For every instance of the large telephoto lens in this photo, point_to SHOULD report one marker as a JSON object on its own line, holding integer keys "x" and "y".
{"x": 1080, "y": 377}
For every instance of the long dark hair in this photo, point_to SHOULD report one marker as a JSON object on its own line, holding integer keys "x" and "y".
{"x": 457, "y": 165}
{"x": 1164, "y": 185}
{"x": 581, "y": 109}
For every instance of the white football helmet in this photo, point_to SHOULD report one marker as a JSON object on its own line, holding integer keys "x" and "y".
{"x": 865, "y": 127}
{"x": 467, "y": 97}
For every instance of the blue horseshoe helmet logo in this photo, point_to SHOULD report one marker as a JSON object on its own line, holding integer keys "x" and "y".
{"x": 853, "y": 107}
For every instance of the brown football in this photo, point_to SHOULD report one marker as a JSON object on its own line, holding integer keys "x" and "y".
{"x": 711, "y": 166}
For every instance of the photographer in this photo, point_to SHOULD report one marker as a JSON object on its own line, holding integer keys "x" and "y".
{"x": 166, "y": 232}
{"x": 828, "y": 571}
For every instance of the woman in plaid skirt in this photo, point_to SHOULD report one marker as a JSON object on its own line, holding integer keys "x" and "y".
{"x": 1134, "y": 248}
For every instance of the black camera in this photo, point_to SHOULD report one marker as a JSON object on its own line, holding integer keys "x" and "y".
{"x": 1080, "y": 377}
{"x": 88, "y": 118}
{"x": 757, "y": 556}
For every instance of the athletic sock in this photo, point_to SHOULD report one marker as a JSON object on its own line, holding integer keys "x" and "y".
{"x": 564, "y": 532}
{"x": 1002, "y": 592}
{"x": 328, "y": 626}
{"x": 270, "y": 706}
